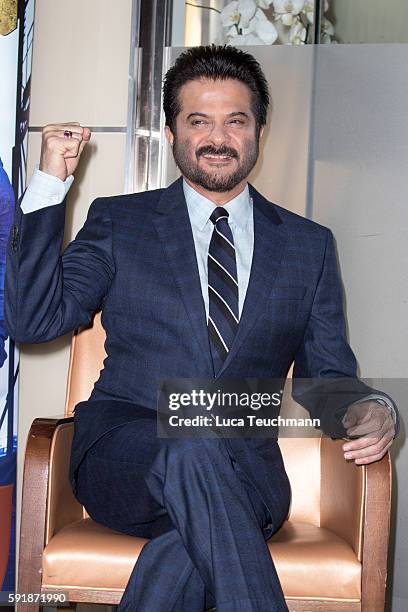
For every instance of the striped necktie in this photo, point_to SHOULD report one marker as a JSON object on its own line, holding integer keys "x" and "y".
{"x": 222, "y": 288}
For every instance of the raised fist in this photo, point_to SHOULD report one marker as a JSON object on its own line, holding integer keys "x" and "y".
{"x": 61, "y": 148}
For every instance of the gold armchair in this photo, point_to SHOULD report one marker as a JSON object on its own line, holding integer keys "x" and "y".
{"x": 330, "y": 555}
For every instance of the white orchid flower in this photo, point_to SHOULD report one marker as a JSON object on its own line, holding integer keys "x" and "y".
{"x": 288, "y": 6}
{"x": 230, "y": 14}
{"x": 238, "y": 13}
{"x": 297, "y": 34}
{"x": 267, "y": 32}
{"x": 263, "y": 28}
{"x": 245, "y": 22}
{"x": 308, "y": 9}
{"x": 287, "y": 10}
{"x": 245, "y": 39}
{"x": 259, "y": 16}
{"x": 264, "y": 4}
{"x": 327, "y": 27}
{"x": 260, "y": 31}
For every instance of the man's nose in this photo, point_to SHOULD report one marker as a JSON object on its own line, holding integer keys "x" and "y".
{"x": 219, "y": 134}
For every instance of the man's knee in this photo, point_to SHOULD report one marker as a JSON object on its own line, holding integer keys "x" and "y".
{"x": 185, "y": 459}
{"x": 196, "y": 452}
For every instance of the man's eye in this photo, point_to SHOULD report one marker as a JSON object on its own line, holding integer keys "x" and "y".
{"x": 237, "y": 121}
{"x": 198, "y": 122}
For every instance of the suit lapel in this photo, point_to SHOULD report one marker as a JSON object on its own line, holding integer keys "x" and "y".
{"x": 174, "y": 230}
{"x": 269, "y": 243}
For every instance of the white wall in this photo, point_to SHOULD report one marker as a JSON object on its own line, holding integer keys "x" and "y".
{"x": 370, "y": 21}
{"x": 361, "y": 153}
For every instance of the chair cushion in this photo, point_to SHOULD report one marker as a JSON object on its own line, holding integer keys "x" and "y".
{"x": 88, "y": 555}
{"x": 314, "y": 562}
{"x": 310, "y": 561}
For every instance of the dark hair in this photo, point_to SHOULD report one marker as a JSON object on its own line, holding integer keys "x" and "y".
{"x": 216, "y": 62}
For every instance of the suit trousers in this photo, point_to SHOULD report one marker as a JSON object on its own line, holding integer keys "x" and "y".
{"x": 206, "y": 523}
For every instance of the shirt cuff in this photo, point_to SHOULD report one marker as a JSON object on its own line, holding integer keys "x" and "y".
{"x": 44, "y": 190}
{"x": 384, "y": 401}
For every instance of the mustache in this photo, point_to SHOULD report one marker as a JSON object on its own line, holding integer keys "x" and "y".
{"x": 210, "y": 150}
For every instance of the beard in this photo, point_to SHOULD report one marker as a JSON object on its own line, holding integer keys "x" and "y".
{"x": 188, "y": 163}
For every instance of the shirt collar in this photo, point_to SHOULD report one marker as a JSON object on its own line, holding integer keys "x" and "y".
{"x": 200, "y": 207}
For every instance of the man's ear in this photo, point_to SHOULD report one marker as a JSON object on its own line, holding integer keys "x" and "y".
{"x": 169, "y": 135}
{"x": 261, "y": 131}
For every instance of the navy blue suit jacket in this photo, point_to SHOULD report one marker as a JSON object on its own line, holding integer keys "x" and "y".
{"x": 135, "y": 259}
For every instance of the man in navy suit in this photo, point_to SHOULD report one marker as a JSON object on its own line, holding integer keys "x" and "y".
{"x": 205, "y": 279}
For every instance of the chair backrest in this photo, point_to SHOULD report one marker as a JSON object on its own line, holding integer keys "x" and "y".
{"x": 301, "y": 455}
{"x": 86, "y": 362}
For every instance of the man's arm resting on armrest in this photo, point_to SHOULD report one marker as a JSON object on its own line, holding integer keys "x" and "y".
{"x": 383, "y": 401}
{"x": 325, "y": 373}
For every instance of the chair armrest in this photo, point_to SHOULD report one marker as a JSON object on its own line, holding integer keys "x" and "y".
{"x": 377, "y": 517}
{"x": 342, "y": 494}
{"x": 356, "y": 505}
{"x": 48, "y": 502}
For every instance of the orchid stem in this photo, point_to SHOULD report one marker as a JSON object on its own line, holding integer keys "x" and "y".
{"x": 209, "y": 8}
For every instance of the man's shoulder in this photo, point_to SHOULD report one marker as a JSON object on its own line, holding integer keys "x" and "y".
{"x": 131, "y": 207}
{"x": 131, "y": 200}
{"x": 292, "y": 221}
{"x": 299, "y": 222}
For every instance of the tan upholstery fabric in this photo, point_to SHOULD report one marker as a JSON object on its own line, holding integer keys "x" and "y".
{"x": 314, "y": 562}
{"x": 86, "y": 362}
{"x": 317, "y": 563}
{"x": 342, "y": 492}
{"x": 302, "y": 462}
{"x": 62, "y": 506}
{"x": 85, "y": 554}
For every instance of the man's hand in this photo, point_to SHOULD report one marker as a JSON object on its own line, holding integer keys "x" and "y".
{"x": 60, "y": 155}
{"x": 375, "y": 425}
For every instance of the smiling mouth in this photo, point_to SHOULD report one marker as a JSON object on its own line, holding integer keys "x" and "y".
{"x": 217, "y": 158}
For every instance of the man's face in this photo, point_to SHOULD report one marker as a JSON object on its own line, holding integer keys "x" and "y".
{"x": 215, "y": 143}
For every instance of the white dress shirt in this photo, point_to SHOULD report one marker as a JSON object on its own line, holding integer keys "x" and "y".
{"x": 241, "y": 222}
{"x": 44, "y": 190}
